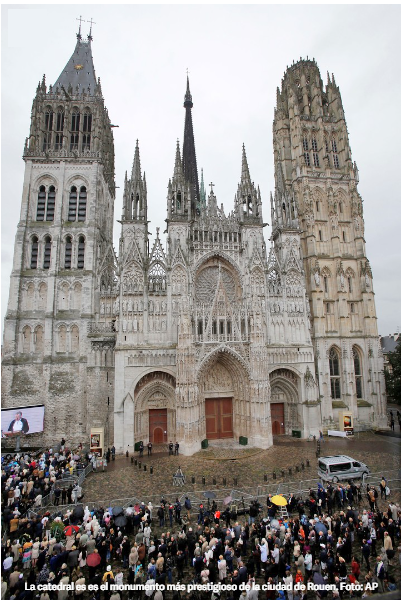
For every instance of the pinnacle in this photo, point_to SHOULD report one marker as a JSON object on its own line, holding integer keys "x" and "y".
{"x": 178, "y": 163}
{"x": 245, "y": 173}
{"x": 136, "y": 171}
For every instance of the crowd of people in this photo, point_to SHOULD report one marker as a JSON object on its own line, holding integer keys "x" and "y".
{"x": 338, "y": 534}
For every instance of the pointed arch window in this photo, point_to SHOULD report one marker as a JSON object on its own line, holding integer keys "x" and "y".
{"x": 47, "y": 252}
{"x": 26, "y": 339}
{"x": 46, "y": 202}
{"x": 87, "y": 125}
{"x": 40, "y": 209}
{"x": 314, "y": 147}
{"x": 335, "y": 153}
{"x": 68, "y": 253}
{"x": 74, "y": 338}
{"x": 80, "y": 253}
{"x": 72, "y": 203}
{"x": 306, "y": 151}
{"x": 358, "y": 373}
{"x": 62, "y": 338}
{"x": 350, "y": 285}
{"x": 335, "y": 379}
{"x": 60, "y": 121}
{"x": 42, "y": 296}
{"x": 74, "y": 130}
{"x": 82, "y": 204}
{"x": 50, "y": 205}
{"x": 39, "y": 341}
{"x": 34, "y": 253}
{"x": 48, "y": 126}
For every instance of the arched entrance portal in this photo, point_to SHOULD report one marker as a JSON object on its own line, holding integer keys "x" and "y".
{"x": 223, "y": 389}
{"x": 155, "y": 415}
{"x": 284, "y": 401}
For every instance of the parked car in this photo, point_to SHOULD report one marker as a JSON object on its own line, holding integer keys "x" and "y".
{"x": 341, "y": 468}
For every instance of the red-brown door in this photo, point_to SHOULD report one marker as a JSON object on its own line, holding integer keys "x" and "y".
{"x": 219, "y": 418}
{"x": 278, "y": 418}
{"x": 158, "y": 425}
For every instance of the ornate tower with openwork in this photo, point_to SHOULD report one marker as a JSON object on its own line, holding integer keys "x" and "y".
{"x": 62, "y": 250}
{"x": 317, "y": 194}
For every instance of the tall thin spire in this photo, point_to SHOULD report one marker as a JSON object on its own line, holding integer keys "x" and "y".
{"x": 188, "y": 153}
{"x": 202, "y": 191}
{"x": 245, "y": 172}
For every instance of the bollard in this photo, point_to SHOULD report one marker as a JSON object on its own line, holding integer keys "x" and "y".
{"x": 145, "y": 468}
{"x": 307, "y": 463}
{"x": 203, "y": 480}
{"x": 297, "y": 468}
{"x": 224, "y": 480}
{"x": 192, "y": 479}
{"x": 290, "y": 471}
{"x": 131, "y": 459}
{"x": 127, "y": 454}
{"x": 151, "y": 470}
{"x": 302, "y": 466}
{"x": 214, "y": 481}
{"x": 140, "y": 465}
{"x": 235, "y": 480}
{"x": 274, "y": 475}
{"x": 283, "y": 472}
{"x": 265, "y": 477}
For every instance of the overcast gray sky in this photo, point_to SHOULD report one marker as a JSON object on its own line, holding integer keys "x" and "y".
{"x": 236, "y": 56}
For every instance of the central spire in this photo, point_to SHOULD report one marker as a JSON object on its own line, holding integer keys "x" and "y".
{"x": 189, "y": 166}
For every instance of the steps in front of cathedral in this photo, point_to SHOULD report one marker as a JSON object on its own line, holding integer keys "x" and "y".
{"x": 227, "y": 449}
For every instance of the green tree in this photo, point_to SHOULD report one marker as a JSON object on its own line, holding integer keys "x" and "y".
{"x": 393, "y": 377}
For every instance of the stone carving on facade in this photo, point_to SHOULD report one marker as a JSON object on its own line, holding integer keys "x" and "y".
{"x": 316, "y": 273}
{"x": 218, "y": 379}
{"x": 334, "y": 221}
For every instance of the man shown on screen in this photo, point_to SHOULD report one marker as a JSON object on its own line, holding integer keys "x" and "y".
{"x": 19, "y": 425}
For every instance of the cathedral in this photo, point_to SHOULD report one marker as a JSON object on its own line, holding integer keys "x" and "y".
{"x": 205, "y": 333}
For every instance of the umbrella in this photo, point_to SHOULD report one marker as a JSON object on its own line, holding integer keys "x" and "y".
{"x": 209, "y": 494}
{"x": 71, "y": 530}
{"x": 93, "y": 559}
{"x": 121, "y": 521}
{"x": 130, "y": 510}
{"x": 117, "y": 510}
{"x": 279, "y": 500}
{"x": 320, "y": 527}
{"x": 76, "y": 457}
{"x": 275, "y": 524}
{"x": 227, "y": 500}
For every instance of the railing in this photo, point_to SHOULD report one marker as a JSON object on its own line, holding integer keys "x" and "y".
{"x": 93, "y": 327}
{"x": 66, "y": 482}
{"x": 239, "y": 497}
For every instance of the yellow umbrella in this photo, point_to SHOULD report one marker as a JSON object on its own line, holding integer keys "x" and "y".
{"x": 279, "y": 500}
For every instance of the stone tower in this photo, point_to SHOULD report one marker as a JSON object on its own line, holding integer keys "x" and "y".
{"x": 317, "y": 194}
{"x": 62, "y": 246}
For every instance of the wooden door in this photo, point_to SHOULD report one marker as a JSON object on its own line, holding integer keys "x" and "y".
{"x": 278, "y": 418}
{"x": 158, "y": 425}
{"x": 219, "y": 418}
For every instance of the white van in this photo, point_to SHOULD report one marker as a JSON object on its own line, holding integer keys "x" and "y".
{"x": 341, "y": 468}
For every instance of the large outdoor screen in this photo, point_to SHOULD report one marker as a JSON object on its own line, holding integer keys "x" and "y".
{"x": 23, "y": 420}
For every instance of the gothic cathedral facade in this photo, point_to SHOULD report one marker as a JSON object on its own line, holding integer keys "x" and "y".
{"x": 208, "y": 334}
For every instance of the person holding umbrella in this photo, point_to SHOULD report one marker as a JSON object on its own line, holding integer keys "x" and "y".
{"x": 93, "y": 560}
